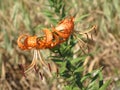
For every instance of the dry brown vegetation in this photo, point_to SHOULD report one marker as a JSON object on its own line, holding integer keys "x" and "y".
{"x": 26, "y": 16}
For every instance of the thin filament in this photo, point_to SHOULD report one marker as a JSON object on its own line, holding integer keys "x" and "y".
{"x": 89, "y": 30}
{"x": 41, "y": 60}
{"x": 31, "y": 66}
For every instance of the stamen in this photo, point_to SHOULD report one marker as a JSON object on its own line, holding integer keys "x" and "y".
{"x": 89, "y": 30}
{"x": 40, "y": 58}
{"x": 41, "y": 76}
{"x": 79, "y": 42}
{"x": 82, "y": 49}
{"x": 49, "y": 67}
{"x": 31, "y": 66}
{"x": 22, "y": 69}
{"x": 95, "y": 28}
{"x": 87, "y": 42}
{"x": 88, "y": 48}
{"x": 87, "y": 36}
{"x": 36, "y": 69}
{"x": 95, "y": 32}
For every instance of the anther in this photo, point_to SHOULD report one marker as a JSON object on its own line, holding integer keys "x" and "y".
{"x": 87, "y": 36}
{"x": 22, "y": 69}
{"x": 41, "y": 76}
{"x": 88, "y": 48}
{"x": 82, "y": 49}
{"x": 36, "y": 69}
{"x": 49, "y": 67}
{"x": 95, "y": 28}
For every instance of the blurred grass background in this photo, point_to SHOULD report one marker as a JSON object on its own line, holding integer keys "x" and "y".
{"x": 22, "y": 16}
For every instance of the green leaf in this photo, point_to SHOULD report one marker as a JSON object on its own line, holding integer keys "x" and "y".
{"x": 76, "y": 88}
{"x": 104, "y": 87}
{"x": 93, "y": 85}
{"x": 63, "y": 67}
{"x": 48, "y": 13}
{"x": 58, "y": 61}
{"x": 67, "y": 88}
{"x": 88, "y": 75}
{"x": 80, "y": 69}
{"x": 76, "y": 60}
{"x": 101, "y": 79}
{"x": 80, "y": 18}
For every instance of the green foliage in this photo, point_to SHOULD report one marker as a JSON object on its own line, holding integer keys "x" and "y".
{"x": 71, "y": 69}
{"x": 55, "y": 10}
